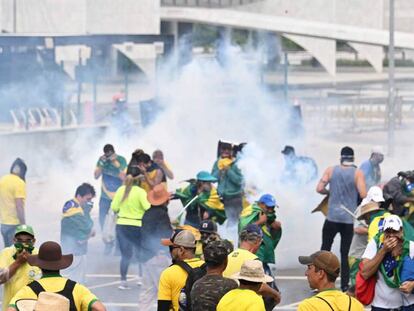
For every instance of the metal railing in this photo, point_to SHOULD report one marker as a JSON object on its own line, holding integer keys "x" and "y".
{"x": 207, "y": 3}
{"x": 356, "y": 114}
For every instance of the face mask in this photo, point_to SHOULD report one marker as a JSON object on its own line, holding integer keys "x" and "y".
{"x": 20, "y": 247}
{"x": 87, "y": 206}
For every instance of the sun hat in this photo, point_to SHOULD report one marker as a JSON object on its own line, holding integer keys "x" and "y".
{"x": 252, "y": 271}
{"x": 182, "y": 238}
{"x": 50, "y": 257}
{"x": 158, "y": 195}
{"x": 46, "y": 301}
{"x": 368, "y": 208}
{"x": 324, "y": 260}
{"x": 206, "y": 176}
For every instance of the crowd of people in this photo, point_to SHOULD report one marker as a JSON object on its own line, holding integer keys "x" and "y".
{"x": 187, "y": 264}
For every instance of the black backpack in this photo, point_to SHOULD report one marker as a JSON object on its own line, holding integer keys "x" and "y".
{"x": 193, "y": 274}
{"x": 67, "y": 291}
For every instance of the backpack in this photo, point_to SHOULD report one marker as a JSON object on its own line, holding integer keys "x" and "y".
{"x": 67, "y": 291}
{"x": 193, "y": 274}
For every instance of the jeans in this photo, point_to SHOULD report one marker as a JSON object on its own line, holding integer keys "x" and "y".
{"x": 104, "y": 206}
{"x": 384, "y": 309}
{"x": 7, "y": 231}
{"x": 233, "y": 207}
{"x": 329, "y": 231}
{"x": 129, "y": 238}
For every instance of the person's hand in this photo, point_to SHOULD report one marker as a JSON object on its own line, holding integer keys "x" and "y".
{"x": 21, "y": 258}
{"x": 113, "y": 157}
{"x": 276, "y": 225}
{"x": 159, "y": 162}
{"x": 205, "y": 215}
{"x": 277, "y": 297}
{"x": 142, "y": 168}
{"x": 262, "y": 219}
{"x": 390, "y": 243}
{"x": 407, "y": 287}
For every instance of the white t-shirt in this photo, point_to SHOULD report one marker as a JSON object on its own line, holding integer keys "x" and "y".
{"x": 385, "y": 296}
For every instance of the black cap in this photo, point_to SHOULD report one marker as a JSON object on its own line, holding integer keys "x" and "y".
{"x": 208, "y": 226}
{"x": 215, "y": 252}
{"x": 347, "y": 154}
{"x": 288, "y": 150}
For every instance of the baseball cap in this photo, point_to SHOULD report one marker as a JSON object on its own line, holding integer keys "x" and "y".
{"x": 324, "y": 260}
{"x": 268, "y": 200}
{"x": 392, "y": 222}
{"x": 181, "y": 238}
{"x": 206, "y": 176}
{"x": 215, "y": 252}
{"x": 24, "y": 229}
{"x": 288, "y": 150}
{"x": 374, "y": 194}
{"x": 208, "y": 226}
{"x": 253, "y": 228}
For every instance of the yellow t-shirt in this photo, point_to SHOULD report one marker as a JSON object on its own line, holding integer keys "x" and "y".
{"x": 132, "y": 209}
{"x": 173, "y": 279}
{"x": 241, "y": 300}
{"x": 336, "y": 299}
{"x": 55, "y": 283}
{"x": 23, "y": 276}
{"x": 12, "y": 187}
{"x": 235, "y": 261}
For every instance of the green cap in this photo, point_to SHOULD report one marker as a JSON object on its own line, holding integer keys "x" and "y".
{"x": 24, "y": 229}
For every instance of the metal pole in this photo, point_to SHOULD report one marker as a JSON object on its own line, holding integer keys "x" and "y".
{"x": 14, "y": 16}
{"x": 391, "y": 83}
{"x": 285, "y": 77}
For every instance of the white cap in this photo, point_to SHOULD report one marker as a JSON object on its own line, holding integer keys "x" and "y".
{"x": 374, "y": 194}
{"x": 392, "y": 222}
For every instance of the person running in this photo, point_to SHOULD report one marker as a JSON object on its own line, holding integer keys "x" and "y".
{"x": 246, "y": 297}
{"x": 50, "y": 260}
{"x": 12, "y": 200}
{"x": 323, "y": 269}
{"x": 129, "y": 203}
{"x": 207, "y": 291}
{"x": 346, "y": 185}
{"x": 14, "y": 259}
{"x": 76, "y": 227}
{"x": 112, "y": 169}
{"x": 173, "y": 279}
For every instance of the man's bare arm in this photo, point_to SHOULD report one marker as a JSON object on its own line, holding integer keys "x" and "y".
{"x": 324, "y": 181}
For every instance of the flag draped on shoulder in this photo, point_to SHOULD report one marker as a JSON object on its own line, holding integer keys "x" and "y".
{"x": 209, "y": 201}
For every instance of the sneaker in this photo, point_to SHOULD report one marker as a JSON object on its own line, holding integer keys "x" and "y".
{"x": 123, "y": 285}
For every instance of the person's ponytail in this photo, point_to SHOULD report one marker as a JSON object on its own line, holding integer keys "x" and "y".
{"x": 129, "y": 182}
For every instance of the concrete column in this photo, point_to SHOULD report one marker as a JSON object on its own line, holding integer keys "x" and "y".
{"x": 223, "y": 43}
{"x": 185, "y": 43}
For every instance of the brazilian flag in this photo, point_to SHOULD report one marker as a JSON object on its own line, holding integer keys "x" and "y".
{"x": 209, "y": 201}
{"x": 271, "y": 237}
